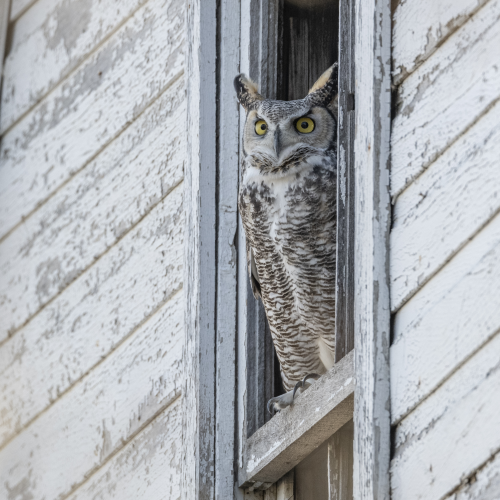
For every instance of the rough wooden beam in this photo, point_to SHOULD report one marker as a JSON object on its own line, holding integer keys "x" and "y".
{"x": 291, "y": 435}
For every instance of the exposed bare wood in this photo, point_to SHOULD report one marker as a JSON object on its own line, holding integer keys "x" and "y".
{"x": 147, "y": 467}
{"x": 51, "y": 40}
{"x": 79, "y": 118}
{"x": 102, "y": 412}
{"x": 94, "y": 315}
{"x": 450, "y": 319}
{"x": 95, "y": 209}
{"x": 371, "y": 312}
{"x": 419, "y": 28}
{"x": 296, "y": 431}
{"x": 446, "y": 96}
{"x": 340, "y": 461}
{"x": 483, "y": 484}
{"x": 200, "y": 259}
{"x": 445, "y": 207}
{"x": 452, "y": 433}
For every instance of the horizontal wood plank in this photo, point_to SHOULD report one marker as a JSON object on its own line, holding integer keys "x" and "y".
{"x": 92, "y": 211}
{"x": 443, "y": 209}
{"x": 483, "y": 485}
{"x": 48, "y": 42}
{"x": 94, "y": 314}
{"x": 446, "y": 438}
{"x": 445, "y": 96}
{"x": 419, "y": 28}
{"x": 299, "y": 429}
{"x": 148, "y": 467}
{"x": 90, "y": 109}
{"x": 452, "y": 316}
{"x": 102, "y": 412}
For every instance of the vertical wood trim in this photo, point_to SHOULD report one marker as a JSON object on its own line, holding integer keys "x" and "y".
{"x": 228, "y": 159}
{"x": 200, "y": 253}
{"x": 372, "y": 313}
{"x": 285, "y": 486}
{"x": 340, "y": 461}
{"x": 4, "y": 27}
{"x": 344, "y": 300}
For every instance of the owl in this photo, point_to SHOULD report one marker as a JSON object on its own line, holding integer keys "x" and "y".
{"x": 287, "y": 203}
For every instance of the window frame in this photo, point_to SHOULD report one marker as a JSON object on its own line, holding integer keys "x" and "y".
{"x": 215, "y": 353}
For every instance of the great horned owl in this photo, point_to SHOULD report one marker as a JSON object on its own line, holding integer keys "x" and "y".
{"x": 287, "y": 202}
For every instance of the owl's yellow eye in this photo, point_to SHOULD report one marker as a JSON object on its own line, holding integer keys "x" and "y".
{"x": 261, "y": 127}
{"x": 304, "y": 125}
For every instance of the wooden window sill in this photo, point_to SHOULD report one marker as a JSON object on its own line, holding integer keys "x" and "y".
{"x": 295, "y": 432}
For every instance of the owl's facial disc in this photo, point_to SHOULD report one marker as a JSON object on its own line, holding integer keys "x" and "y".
{"x": 277, "y": 135}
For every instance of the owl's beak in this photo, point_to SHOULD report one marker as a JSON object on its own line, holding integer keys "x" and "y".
{"x": 277, "y": 142}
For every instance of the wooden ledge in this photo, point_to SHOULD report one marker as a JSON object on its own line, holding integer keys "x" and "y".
{"x": 291, "y": 435}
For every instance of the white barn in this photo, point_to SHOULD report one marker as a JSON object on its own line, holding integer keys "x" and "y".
{"x": 134, "y": 362}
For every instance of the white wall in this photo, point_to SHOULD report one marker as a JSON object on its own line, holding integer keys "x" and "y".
{"x": 93, "y": 118}
{"x": 445, "y": 250}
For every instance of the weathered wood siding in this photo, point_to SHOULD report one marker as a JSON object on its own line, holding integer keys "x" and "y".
{"x": 92, "y": 159}
{"x": 445, "y": 250}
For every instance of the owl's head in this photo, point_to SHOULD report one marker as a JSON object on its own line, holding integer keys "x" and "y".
{"x": 277, "y": 130}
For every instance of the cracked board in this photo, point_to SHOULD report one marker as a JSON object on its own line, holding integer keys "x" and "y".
{"x": 445, "y": 207}
{"x": 452, "y": 433}
{"x": 100, "y": 309}
{"x": 93, "y": 211}
{"x": 105, "y": 410}
{"x": 419, "y": 28}
{"x": 445, "y": 96}
{"x": 148, "y": 466}
{"x": 90, "y": 108}
{"x": 446, "y": 322}
{"x": 48, "y": 42}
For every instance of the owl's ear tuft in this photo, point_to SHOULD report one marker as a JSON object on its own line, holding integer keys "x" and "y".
{"x": 325, "y": 89}
{"x": 247, "y": 92}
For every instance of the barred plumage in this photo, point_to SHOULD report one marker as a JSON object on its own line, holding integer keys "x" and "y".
{"x": 287, "y": 204}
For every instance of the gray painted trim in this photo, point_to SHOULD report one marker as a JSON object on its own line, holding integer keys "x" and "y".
{"x": 373, "y": 209}
{"x": 227, "y": 258}
{"x": 198, "y": 475}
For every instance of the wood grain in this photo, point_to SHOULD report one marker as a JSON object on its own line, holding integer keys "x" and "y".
{"x": 94, "y": 210}
{"x": 147, "y": 467}
{"x": 101, "y": 413}
{"x": 446, "y": 96}
{"x": 372, "y": 225}
{"x": 90, "y": 109}
{"x": 93, "y": 316}
{"x": 200, "y": 258}
{"x": 445, "y": 207}
{"x": 49, "y": 41}
{"x": 420, "y": 28}
{"x": 227, "y": 259}
{"x": 462, "y": 313}
{"x": 484, "y": 484}
{"x": 296, "y": 431}
{"x": 451, "y": 434}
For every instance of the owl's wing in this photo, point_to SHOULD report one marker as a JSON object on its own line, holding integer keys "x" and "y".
{"x": 252, "y": 272}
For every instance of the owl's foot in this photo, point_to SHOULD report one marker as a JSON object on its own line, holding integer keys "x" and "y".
{"x": 280, "y": 402}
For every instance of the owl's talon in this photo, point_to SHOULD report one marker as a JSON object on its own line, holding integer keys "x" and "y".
{"x": 274, "y": 405}
{"x": 301, "y": 384}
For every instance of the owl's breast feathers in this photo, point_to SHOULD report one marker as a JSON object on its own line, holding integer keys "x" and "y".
{"x": 290, "y": 225}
